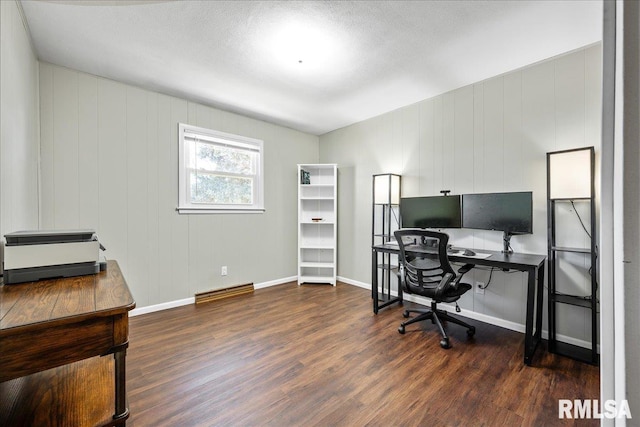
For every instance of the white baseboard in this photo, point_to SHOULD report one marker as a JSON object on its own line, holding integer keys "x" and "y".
{"x": 354, "y": 282}
{"x": 513, "y": 326}
{"x": 161, "y": 306}
{"x": 192, "y": 300}
{"x": 275, "y": 282}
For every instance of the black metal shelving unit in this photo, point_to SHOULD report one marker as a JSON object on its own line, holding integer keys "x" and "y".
{"x": 555, "y": 298}
{"x": 385, "y": 220}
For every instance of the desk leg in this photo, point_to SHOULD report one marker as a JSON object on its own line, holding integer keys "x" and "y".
{"x": 539, "y": 301}
{"x": 374, "y": 280}
{"x": 534, "y": 309}
{"x": 122, "y": 412}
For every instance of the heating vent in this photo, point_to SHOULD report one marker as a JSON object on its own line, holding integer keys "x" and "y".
{"x": 218, "y": 294}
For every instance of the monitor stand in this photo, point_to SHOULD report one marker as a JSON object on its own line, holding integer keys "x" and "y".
{"x": 506, "y": 242}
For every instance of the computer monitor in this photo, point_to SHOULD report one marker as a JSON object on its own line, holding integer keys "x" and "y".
{"x": 511, "y": 213}
{"x": 430, "y": 212}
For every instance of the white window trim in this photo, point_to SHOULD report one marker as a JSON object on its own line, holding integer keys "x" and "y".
{"x": 186, "y": 207}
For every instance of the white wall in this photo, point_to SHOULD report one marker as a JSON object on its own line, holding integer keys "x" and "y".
{"x": 19, "y": 126}
{"x": 488, "y": 137}
{"x": 109, "y": 162}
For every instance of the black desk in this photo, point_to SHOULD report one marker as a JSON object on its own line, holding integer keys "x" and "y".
{"x": 533, "y": 265}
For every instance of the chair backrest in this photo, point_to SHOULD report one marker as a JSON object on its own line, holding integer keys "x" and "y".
{"x": 423, "y": 260}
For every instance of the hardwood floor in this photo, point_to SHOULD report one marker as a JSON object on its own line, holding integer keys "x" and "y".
{"x": 317, "y": 355}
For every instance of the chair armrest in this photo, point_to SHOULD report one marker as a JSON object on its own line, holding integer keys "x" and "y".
{"x": 444, "y": 284}
{"x": 465, "y": 269}
{"x": 401, "y": 277}
{"x": 461, "y": 272}
{"x": 451, "y": 280}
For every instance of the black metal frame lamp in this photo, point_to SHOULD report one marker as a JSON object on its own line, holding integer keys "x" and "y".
{"x": 385, "y": 220}
{"x": 571, "y": 179}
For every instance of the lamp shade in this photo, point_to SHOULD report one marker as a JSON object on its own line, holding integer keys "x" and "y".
{"x": 387, "y": 188}
{"x": 570, "y": 173}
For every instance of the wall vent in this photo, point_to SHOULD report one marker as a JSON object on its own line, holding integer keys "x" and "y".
{"x": 218, "y": 294}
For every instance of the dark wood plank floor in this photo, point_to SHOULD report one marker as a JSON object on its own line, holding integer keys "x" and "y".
{"x": 317, "y": 355}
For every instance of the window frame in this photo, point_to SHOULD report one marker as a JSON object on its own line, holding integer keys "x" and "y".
{"x": 185, "y": 206}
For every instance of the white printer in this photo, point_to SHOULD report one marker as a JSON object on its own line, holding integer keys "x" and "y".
{"x": 36, "y": 255}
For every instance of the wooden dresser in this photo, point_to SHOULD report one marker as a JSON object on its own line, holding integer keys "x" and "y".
{"x": 62, "y": 351}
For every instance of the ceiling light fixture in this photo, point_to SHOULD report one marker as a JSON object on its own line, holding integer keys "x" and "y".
{"x": 298, "y": 43}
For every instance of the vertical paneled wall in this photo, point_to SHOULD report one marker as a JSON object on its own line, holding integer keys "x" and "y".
{"x": 110, "y": 162}
{"x": 19, "y": 125}
{"x": 492, "y": 136}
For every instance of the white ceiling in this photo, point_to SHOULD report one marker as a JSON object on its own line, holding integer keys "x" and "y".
{"x": 359, "y": 58}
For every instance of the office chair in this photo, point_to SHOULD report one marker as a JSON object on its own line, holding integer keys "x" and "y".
{"x": 428, "y": 273}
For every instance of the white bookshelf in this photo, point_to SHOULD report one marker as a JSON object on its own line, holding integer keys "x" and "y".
{"x": 317, "y": 224}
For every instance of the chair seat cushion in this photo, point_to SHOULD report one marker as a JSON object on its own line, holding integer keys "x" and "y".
{"x": 452, "y": 295}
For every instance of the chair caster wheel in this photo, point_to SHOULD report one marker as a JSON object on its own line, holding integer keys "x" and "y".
{"x": 401, "y": 330}
{"x": 444, "y": 343}
{"x": 405, "y": 314}
{"x": 471, "y": 332}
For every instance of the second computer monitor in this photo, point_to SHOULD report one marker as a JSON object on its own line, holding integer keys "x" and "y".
{"x": 431, "y": 212}
{"x": 511, "y": 213}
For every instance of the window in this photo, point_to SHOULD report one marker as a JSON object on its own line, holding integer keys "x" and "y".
{"x": 219, "y": 172}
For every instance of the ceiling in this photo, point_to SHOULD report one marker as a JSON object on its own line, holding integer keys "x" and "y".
{"x": 314, "y": 66}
